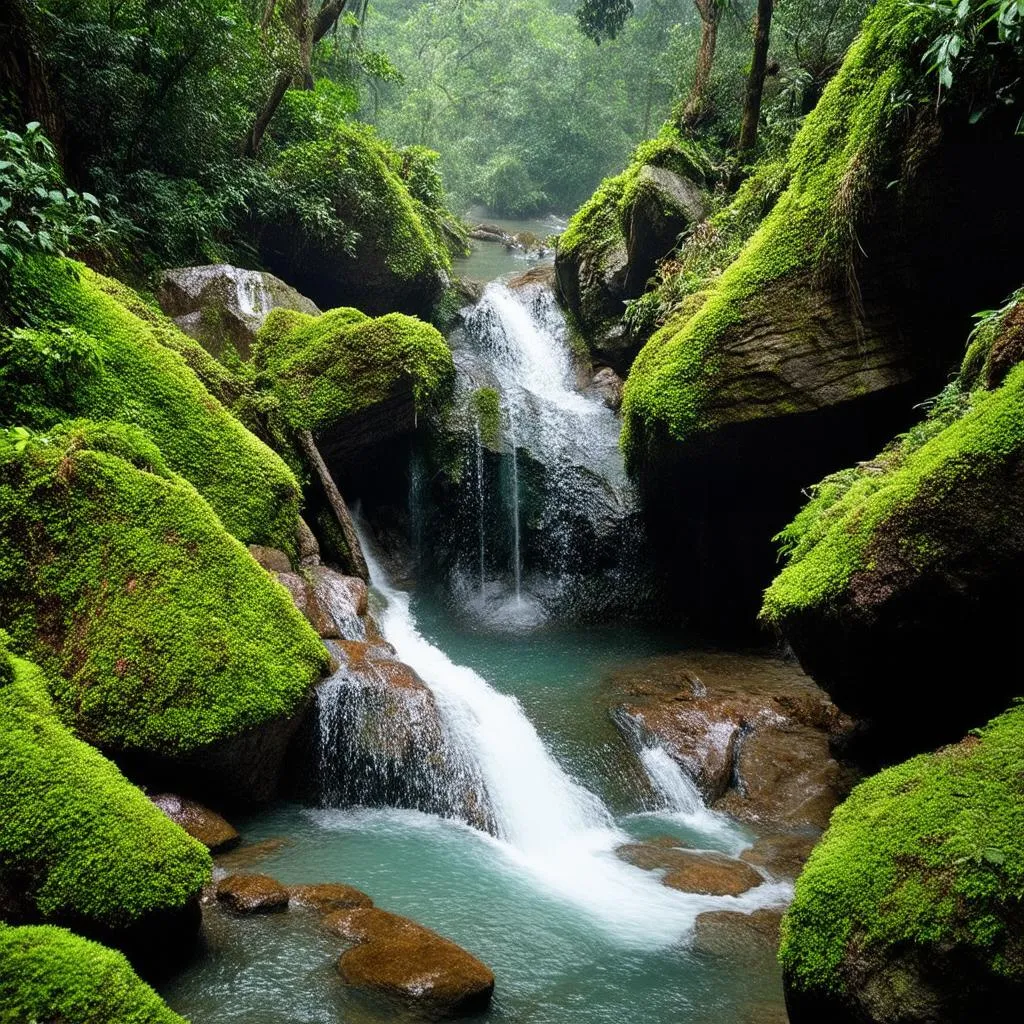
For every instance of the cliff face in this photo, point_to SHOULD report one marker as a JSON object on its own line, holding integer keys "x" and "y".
{"x": 844, "y": 308}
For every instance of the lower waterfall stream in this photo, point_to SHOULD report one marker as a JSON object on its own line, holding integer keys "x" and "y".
{"x": 573, "y": 933}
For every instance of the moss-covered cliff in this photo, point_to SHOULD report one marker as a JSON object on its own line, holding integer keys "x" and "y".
{"x": 909, "y": 910}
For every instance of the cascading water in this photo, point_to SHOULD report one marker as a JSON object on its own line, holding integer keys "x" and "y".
{"x": 560, "y": 518}
{"x": 546, "y": 823}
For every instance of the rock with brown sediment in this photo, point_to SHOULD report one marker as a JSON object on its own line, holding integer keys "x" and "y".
{"x": 252, "y": 894}
{"x": 732, "y": 934}
{"x": 781, "y": 855}
{"x": 752, "y": 731}
{"x": 398, "y": 958}
{"x": 701, "y": 872}
{"x": 216, "y": 834}
{"x": 328, "y": 897}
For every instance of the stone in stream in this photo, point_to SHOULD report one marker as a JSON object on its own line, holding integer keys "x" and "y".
{"x": 704, "y": 873}
{"x": 752, "y": 732}
{"x": 252, "y": 894}
{"x": 216, "y": 834}
{"x": 328, "y": 897}
{"x": 782, "y": 855}
{"x": 729, "y": 933}
{"x": 398, "y": 958}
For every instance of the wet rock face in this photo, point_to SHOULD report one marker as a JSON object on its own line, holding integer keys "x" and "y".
{"x": 379, "y": 740}
{"x": 327, "y": 897}
{"x": 752, "y": 732}
{"x": 397, "y": 958}
{"x": 223, "y": 307}
{"x": 216, "y": 834}
{"x": 607, "y": 385}
{"x": 252, "y": 894}
{"x": 700, "y": 872}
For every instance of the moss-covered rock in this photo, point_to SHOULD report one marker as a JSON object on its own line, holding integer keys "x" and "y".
{"x": 353, "y": 225}
{"x": 80, "y": 844}
{"x": 163, "y": 635}
{"x": 903, "y": 572}
{"x": 92, "y": 348}
{"x": 909, "y": 910}
{"x": 49, "y": 974}
{"x": 351, "y": 377}
{"x": 610, "y": 247}
{"x": 840, "y": 312}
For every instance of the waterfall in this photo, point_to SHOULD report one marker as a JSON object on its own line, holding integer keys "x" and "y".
{"x": 250, "y": 291}
{"x": 565, "y": 521}
{"x": 546, "y": 823}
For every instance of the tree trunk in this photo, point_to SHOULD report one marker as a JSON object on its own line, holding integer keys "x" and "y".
{"x": 755, "y": 80}
{"x": 698, "y": 103}
{"x": 308, "y": 30}
{"x": 357, "y": 560}
{"x": 23, "y": 71}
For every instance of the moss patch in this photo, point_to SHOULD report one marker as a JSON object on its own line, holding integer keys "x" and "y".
{"x": 49, "y": 974}
{"x": 325, "y": 368}
{"x": 161, "y": 631}
{"x": 139, "y": 374}
{"x": 838, "y": 158}
{"x": 79, "y": 839}
{"x": 487, "y": 409}
{"x": 925, "y": 854}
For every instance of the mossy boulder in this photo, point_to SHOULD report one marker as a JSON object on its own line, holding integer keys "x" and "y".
{"x": 223, "y": 307}
{"x": 841, "y": 311}
{"x": 80, "y": 845}
{"x": 909, "y": 910}
{"x": 93, "y": 348}
{"x": 903, "y": 572}
{"x": 165, "y": 639}
{"x": 614, "y": 241}
{"x": 50, "y": 974}
{"x": 352, "y": 379}
{"x": 384, "y": 248}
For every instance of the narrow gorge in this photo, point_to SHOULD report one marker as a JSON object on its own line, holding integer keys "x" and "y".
{"x": 510, "y": 512}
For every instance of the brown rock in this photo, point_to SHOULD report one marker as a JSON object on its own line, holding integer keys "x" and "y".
{"x": 398, "y": 958}
{"x": 309, "y": 546}
{"x": 726, "y": 933}
{"x": 328, "y": 897}
{"x": 198, "y": 821}
{"x": 271, "y": 559}
{"x": 711, "y": 874}
{"x": 252, "y": 894}
{"x": 781, "y": 855}
{"x": 607, "y": 385}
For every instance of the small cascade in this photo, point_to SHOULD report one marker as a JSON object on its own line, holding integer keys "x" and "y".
{"x": 559, "y": 519}
{"x": 251, "y": 293}
{"x": 548, "y": 825}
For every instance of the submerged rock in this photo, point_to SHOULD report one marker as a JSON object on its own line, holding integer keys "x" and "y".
{"x": 252, "y": 894}
{"x": 701, "y": 872}
{"x": 216, "y": 834}
{"x": 328, "y": 897}
{"x": 751, "y": 731}
{"x": 223, "y": 307}
{"x": 398, "y": 958}
{"x": 738, "y": 936}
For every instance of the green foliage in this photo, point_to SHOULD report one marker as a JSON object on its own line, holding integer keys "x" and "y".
{"x": 78, "y": 838}
{"x": 923, "y": 857}
{"x": 487, "y": 407}
{"x": 38, "y": 212}
{"x": 160, "y": 631}
{"x": 325, "y": 368}
{"x": 50, "y": 974}
{"x": 106, "y": 357}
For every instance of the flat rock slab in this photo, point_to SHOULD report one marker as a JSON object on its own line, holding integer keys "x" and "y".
{"x": 216, "y": 834}
{"x": 783, "y": 855}
{"x": 252, "y": 894}
{"x": 397, "y": 958}
{"x": 706, "y": 874}
{"x": 328, "y": 897}
{"x": 728, "y": 933}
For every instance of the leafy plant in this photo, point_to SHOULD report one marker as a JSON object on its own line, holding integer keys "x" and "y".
{"x": 39, "y": 214}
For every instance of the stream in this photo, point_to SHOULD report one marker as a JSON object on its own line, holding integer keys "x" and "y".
{"x": 572, "y": 932}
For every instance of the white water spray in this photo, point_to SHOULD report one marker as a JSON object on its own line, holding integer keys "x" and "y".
{"x": 548, "y": 825}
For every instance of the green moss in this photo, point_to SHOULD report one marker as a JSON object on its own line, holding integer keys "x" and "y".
{"x": 359, "y": 176}
{"x": 599, "y": 224}
{"x": 487, "y": 407}
{"x": 49, "y": 974}
{"x": 142, "y": 378}
{"x": 962, "y": 441}
{"x": 837, "y": 160}
{"x": 78, "y": 838}
{"x": 926, "y": 854}
{"x": 160, "y": 630}
{"x": 325, "y": 368}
